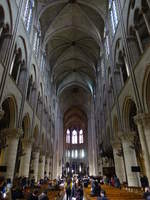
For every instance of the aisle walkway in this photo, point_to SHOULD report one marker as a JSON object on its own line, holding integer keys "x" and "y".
{"x": 66, "y": 198}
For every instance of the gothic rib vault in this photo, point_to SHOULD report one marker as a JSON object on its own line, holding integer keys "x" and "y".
{"x": 72, "y": 32}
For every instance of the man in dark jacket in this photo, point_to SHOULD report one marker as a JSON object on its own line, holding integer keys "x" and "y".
{"x": 79, "y": 193}
{"x": 144, "y": 182}
{"x": 33, "y": 195}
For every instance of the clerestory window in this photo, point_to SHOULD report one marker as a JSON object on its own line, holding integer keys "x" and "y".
{"x": 81, "y": 137}
{"x": 74, "y": 137}
{"x": 113, "y": 14}
{"x": 68, "y": 136}
{"x": 28, "y": 14}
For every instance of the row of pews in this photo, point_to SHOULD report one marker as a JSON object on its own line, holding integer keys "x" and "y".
{"x": 53, "y": 194}
{"x": 115, "y": 194}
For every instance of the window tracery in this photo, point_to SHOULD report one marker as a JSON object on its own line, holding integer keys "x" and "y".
{"x": 113, "y": 15}
{"x": 68, "y": 137}
{"x": 82, "y": 153}
{"x": 28, "y": 14}
{"x": 107, "y": 47}
{"x": 36, "y": 40}
{"x": 81, "y": 136}
{"x": 74, "y": 137}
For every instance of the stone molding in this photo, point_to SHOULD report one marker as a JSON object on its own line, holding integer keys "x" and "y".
{"x": 142, "y": 118}
{"x": 128, "y": 136}
{"x": 12, "y": 132}
{"x": 27, "y": 141}
{"x": 116, "y": 143}
{"x": 42, "y": 153}
{"x": 36, "y": 149}
{"x": 41, "y": 158}
{"x": 47, "y": 154}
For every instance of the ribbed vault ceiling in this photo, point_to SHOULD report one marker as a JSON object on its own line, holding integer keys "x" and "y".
{"x": 72, "y": 32}
{"x": 74, "y": 117}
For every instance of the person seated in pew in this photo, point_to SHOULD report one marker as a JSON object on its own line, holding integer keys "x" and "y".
{"x": 32, "y": 183}
{"x": 33, "y": 195}
{"x": 43, "y": 196}
{"x": 117, "y": 182}
{"x": 95, "y": 189}
{"x": 102, "y": 196}
{"x": 144, "y": 182}
{"x": 146, "y": 195}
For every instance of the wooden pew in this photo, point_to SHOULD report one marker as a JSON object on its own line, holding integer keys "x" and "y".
{"x": 115, "y": 194}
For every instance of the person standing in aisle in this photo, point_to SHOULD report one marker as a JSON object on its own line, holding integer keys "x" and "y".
{"x": 68, "y": 188}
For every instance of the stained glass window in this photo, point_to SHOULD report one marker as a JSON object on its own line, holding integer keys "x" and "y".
{"x": 107, "y": 49}
{"x": 68, "y": 153}
{"x": 28, "y": 13}
{"x": 113, "y": 14}
{"x": 72, "y": 154}
{"x": 36, "y": 40}
{"x": 82, "y": 153}
{"x": 76, "y": 153}
{"x": 74, "y": 137}
{"x": 68, "y": 137}
{"x": 81, "y": 137}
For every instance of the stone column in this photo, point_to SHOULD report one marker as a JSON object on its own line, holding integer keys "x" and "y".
{"x": 130, "y": 158}
{"x": 146, "y": 127}
{"x": 41, "y": 166}
{"x": 100, "y": 166}
{"x": 90, "y": 152}
{"x": 92, "y": 145}
{"x": 140, "y": 120}
{"x": 25, "y": 159}
{"x": 47, "y": 167}
{"x": 1, "y": 113}
{"x": 118, "y": 159}
{"x": 9, "y": 159}
{"x": 35, "y": 163}
{"x": 2, "y": 156}
{"x": 51, "y": 167}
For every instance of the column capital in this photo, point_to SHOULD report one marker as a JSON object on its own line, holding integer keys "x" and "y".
{"x": 42, "y": 153}
{"x": 128, "y": 136}
{"x": 47, "y": 155}
{"x": 12, "y": 132}
{"x": 116, "y": 143}
{"x": 36, "y": 149}
{"x": 142, "y": 118}
{"x": 27, "y": 141}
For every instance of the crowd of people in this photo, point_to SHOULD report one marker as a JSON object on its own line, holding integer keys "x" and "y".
{"x": 24, "y": 188}
{"x": 96, "y": 190}
{"x": 74, "y": 189}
